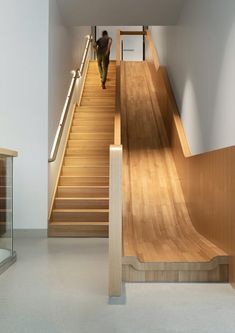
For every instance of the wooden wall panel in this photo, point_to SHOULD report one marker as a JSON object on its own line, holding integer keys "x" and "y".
{"x": 208, "y": 179}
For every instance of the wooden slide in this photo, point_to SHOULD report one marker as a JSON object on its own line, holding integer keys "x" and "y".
{"x": 159, "y": 240}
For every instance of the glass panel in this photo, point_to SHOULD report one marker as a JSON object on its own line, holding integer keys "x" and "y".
{"x": 6, "y": 208}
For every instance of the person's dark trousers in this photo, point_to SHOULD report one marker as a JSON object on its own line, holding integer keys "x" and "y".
{"x": 103, "y": 64}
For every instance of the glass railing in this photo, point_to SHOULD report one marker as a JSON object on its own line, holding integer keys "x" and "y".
{"x": 7, "y": 253}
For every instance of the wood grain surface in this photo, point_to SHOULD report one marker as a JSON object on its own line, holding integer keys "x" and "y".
{"x": 156, "y": 222}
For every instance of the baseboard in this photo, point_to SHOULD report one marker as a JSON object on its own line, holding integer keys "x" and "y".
{"x": 26, "y": 233}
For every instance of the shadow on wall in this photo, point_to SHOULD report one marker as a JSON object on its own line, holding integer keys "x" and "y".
{"x": 201, "y": 52}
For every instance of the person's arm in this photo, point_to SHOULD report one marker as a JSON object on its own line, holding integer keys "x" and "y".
{"x": 109, "y": 46}
{"x": 95, "y": 46}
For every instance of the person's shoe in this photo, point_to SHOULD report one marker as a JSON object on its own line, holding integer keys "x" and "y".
{"x": 103, "y": 85}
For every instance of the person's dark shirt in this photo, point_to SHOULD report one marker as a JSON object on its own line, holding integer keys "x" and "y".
{"x": 102, "y": 44}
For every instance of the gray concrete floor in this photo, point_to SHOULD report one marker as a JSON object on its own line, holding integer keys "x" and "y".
{"x": 60, "y": 286}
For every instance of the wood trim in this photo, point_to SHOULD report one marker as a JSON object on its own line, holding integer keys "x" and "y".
{"x": 117, "y": 116}
{"x": 173, "y": 266}
{"x": 115, "y": 192}
{"x": 218, "y": 274}
{"x": 8, "y": 152}
{"x": 132, "y": 33}
{"x": 115, "y": 221}
{"x": 151, "y": 52}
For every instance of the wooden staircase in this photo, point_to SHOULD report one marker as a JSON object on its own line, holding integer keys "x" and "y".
{"x": 81, "y": 203}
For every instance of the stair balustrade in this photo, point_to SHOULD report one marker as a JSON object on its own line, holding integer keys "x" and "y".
{"x": 7, "y": 253}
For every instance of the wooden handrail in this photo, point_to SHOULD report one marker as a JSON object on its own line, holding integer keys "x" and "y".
{"x": 132, "y": 33}
{"x": 115, "y": 192}
{"x": 8, "y": 152}
{"x": 115, "y": 184}
{"x": 153, "y": 51}
{"x": 117, "y": 117}
{"x": 76, "y": 75}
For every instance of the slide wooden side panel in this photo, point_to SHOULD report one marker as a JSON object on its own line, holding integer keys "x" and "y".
{"x": 207, "y": 179}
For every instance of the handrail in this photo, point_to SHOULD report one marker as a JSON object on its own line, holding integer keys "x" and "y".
{"x": 8, "y": 152}
{"x": 132, "y": 33}
{"x": 76, "y": 75}
{"x": 115, "y": 193}
{"x": 117, "y": 117}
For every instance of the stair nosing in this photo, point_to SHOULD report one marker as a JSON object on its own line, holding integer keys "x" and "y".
{"x": 78, "y": 223}
{"x": 84, "y": 186}
{"x": 84, "y": 210}
{"x": 83, "y": 198}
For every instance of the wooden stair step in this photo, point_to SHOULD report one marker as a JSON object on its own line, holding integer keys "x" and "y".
{"x": 81, "y": 203}
{"x": 80, "y": 215}
{"x": 95, "y": 108}
{"x": 96, "y": 80}
{"x": 94, "y": 116}
{"x": 92, "y": 128}
{"x": 93, "y": 103}
{"x": 91, "y": 93}
{"x": 78, "y": 229}
{"x": 84, "y": 181}
{"x": 102, "y": 144}
{"x": 83, "y": 161}
{"x": 83, "y": 191}
{"x": 98, "y": 92}
{"x": 97, "y": 83}
{"x": 100, "y": 223}
{"x": 87, "y": 151}
{"x": 85, "y": 171}
{"x": 93, "y": 68}
{"x": 95, "y": 113}
{"x": 97, "y": 121}
{"x": 91, "y": 136}
{"x": 95, "y": 77}
{"x": 103, "y": 100}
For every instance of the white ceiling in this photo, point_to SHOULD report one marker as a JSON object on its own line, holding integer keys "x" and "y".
{"x": 120, "y": 12}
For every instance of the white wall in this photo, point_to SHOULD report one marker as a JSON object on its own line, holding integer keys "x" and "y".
{"x": 24, "y": 104}
{"x": 200, "y": 58}
{"x": 120, "y": 12}
{"x": 65, "y": 49}
{"x": 79, "y": 33}
{"x": 60, "y": 66}
{"x": 28, "y": 116}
